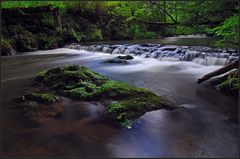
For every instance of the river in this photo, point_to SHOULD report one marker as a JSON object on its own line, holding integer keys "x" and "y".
{"x": 202, "y": 128}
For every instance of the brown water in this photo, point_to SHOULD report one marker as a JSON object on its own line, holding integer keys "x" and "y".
{"x": 202, "y": 129}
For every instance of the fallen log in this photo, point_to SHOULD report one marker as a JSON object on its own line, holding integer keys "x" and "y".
{"x": 220, "y": 71}
{"x": 219, "y": 80}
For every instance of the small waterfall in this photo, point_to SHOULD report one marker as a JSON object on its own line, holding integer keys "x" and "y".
{"x": 201, "y": 55}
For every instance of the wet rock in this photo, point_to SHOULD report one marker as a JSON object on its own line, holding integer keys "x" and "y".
{"x": 169, "y": 49}
{"x": 46, "y": 98}
{"x": 146, "y": 45}
{"x": 127, "y": 57}
{"x": 211, "y": 34}
{"x": 122, "y": 101}
{"x": 116, "y": 60}
{"x": 148, "y": 56}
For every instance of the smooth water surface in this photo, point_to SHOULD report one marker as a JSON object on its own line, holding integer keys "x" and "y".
{"x": 201, "y": 128}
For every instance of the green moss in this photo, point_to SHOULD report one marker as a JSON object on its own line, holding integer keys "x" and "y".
{"x": 89, "y": 86}
{"x": 148, "y": 102}
{"x": 31, "y": 105}
{"x": 46, "y": 98}
{"x": 135, "y": 106}
{"x": 81, "y": 83}
{"x": 79, "y": 93}
{"x": 115, "y": 107}
{"x": 41, "y": 75}
{"x": 119, "y": 90}
{"x": 72, "y": 68}
{"x": 85, "y": 90}
{"x": 122, "y": 100}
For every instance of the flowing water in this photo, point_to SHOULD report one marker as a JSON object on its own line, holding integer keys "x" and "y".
{"x": 202, "y": 127}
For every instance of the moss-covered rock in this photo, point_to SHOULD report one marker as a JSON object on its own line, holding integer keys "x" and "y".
{"x": 35, "y": 102}
{"x": 79, "y": 82}
{"x": 122, "y": 101}
{"x": 46, "y": 98}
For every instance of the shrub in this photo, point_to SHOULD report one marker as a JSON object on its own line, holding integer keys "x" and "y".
{"x": 228, "y": 30}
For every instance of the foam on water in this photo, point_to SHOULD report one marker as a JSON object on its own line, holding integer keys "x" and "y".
{"x": 201, "y": 55}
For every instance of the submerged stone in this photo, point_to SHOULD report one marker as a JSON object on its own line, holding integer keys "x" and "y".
{"x": 127, "y": 57}
{"x": 120, "y": 59}
{"x": 116, "y": 60}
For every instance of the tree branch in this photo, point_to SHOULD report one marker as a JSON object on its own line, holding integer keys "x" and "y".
{"x": 164, "y": 11}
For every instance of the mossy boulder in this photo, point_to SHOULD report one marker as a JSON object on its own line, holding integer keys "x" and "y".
{"x": 46, "y": 98}
{"x": 34, "y": 102}
{"x": 121, "y": 100}
{"x": 79, "y": 82}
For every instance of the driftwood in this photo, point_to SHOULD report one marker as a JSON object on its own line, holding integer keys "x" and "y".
{"x": 220, "y": 71}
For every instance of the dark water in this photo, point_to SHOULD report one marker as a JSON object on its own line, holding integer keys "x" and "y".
{"x": 202, "y": 129}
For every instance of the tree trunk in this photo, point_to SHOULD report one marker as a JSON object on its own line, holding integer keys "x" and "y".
{"x": 219, "y": 71}
{"x": 58, "y": 19}
{"x": 164, "y": 15}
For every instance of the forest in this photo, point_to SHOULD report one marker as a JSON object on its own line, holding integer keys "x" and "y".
{"x": 120, "y": 79}
{"x": 68, "y": 22}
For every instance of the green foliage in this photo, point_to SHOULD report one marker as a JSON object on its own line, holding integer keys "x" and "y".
{"x": 76, "y": 35}
{"x": 97, "y": 34}
{"x": 24, "y": 39}
{"x": 7, "y": 43}
{"x": 27, "y": 4}
{"x": 139, "y": 32}
{"x": 149, "y": 35}
{"x": 116, "y": 20}
{"x": 181, "y": 30}
{"x": 135, "y": 31}
{"x": 229, "y": 31}
{"x": 42, "y": 74}
{"x": 119, "y": 8}
{"x": 117, "y": 108}
{"x": 233, "y": 82}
